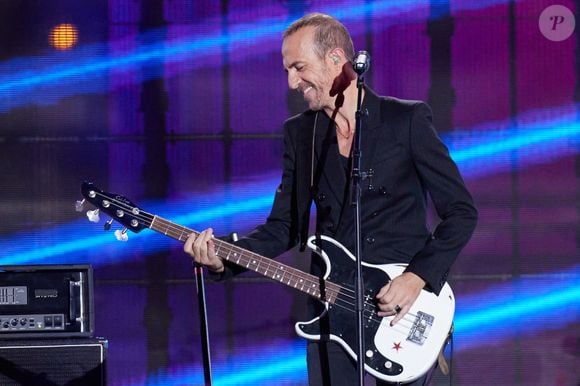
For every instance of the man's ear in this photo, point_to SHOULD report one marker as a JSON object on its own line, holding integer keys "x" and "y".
{"x": 335, "y": 55}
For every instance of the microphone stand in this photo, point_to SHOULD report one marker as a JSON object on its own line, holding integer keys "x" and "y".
{"x": 356, "y": 177}
{"x": 198, "y": 270}
{"x": 203, "y": 324}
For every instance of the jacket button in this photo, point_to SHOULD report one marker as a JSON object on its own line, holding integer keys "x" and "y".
{"x": 375, "y": 214}
{"x": 370, "y": 239}
{"x": 321, "y": 196}
{"x": 383, "y": 191}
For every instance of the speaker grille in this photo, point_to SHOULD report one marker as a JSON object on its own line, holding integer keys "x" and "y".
{"x": 50, "y": 362}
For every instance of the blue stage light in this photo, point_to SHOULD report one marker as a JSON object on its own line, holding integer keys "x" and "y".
{"x": 280, "y": 363}
{"x": 82, "y": 240}
{"x": 483, "y": 154}
{"x": 523, "y": 306}
{"x": 49, "y": 78}
{"x": 488, "y": 150}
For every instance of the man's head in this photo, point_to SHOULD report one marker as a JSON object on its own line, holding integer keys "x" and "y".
{"x": 314, "y": 50}
{"x": 329, "y": 34}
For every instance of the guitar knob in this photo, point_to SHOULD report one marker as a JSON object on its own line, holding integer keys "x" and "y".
{"x": 108, "y": 224}
{"x": 93, "y": 215}
{"x": 79, "y": 205}
{"x": 121, "y": 235}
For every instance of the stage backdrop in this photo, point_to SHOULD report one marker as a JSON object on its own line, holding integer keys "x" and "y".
{"x": 178, "y": 105}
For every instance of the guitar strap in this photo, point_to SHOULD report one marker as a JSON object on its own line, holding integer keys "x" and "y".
{"x": 312, "y": 190}
{"x": 441, "y": 361}
{"x": 312, "y": 153}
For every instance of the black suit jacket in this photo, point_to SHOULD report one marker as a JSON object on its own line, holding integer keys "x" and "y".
{"x": 407, "y": 161}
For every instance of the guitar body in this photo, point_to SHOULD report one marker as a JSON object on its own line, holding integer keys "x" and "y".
{"x": 401, "y": 353}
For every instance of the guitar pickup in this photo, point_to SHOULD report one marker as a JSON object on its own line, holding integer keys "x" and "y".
{"x": 421, "y": 327}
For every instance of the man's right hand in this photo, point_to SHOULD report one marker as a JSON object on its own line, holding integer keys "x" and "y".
{"x": 201, "y": 248}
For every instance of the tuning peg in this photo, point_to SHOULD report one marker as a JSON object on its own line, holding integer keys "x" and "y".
{"x": 122, "y": 235}
{"x": 93, "y": 215}
{"x": 79, "y": 205}
{"x": 108, "y": 224}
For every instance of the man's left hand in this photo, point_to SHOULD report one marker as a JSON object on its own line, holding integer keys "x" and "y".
{"x": 397, "y": 297}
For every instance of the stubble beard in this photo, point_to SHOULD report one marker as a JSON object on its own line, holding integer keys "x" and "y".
{"x": 315, "y": 103}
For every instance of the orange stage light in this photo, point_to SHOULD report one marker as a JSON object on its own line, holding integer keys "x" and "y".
{"x": 63, "y": 37}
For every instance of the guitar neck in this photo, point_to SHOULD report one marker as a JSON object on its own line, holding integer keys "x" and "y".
{"x": 285, "y": 274}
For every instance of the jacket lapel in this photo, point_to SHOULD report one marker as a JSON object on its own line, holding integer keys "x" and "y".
{"x": 371, "y": 132}
{"x": 328, "y": 158}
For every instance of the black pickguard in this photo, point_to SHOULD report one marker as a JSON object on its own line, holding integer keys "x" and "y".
{"x": 341, "y": 322}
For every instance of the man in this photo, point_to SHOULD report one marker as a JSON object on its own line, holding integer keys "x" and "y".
{"x": 403, "y": 159}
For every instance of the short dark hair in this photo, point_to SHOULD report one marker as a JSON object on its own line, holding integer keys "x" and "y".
{"x": 330, "y": 33}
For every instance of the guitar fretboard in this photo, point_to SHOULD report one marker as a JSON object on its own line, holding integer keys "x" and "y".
{"x": 267, "y": 267}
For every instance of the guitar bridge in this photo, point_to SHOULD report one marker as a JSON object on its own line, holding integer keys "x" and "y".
{"x": 421, "y": 327}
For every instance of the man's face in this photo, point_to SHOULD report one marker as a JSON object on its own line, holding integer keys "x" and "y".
{"x": 307, "y": 72}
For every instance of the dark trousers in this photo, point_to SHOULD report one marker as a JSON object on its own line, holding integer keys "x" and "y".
{"x": 330, "y": 365}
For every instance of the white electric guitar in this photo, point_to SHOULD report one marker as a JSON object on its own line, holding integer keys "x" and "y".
{"x": 401, "y": 353}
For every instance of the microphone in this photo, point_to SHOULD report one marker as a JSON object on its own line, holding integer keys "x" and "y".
{"x": 362, "y": 61}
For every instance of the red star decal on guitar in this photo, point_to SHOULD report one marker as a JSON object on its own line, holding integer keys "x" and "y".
{"x": 397, "y": 346}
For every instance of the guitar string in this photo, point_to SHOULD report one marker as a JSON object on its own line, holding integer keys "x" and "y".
{"x": 168, "y": 225}
{"x": 146, "y": 217}
{"x": 333, "y": 293}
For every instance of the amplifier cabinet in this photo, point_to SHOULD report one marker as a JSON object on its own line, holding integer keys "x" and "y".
{"x": 71, "y": 362}
{"x": 46, "y": 301}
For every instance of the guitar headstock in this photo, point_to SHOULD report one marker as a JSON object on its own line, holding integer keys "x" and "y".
{"x": 119, "y": 208}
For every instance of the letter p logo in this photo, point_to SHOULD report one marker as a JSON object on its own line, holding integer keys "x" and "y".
{"x": 557, "y": 20}
{"x": 557, "y": 23}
